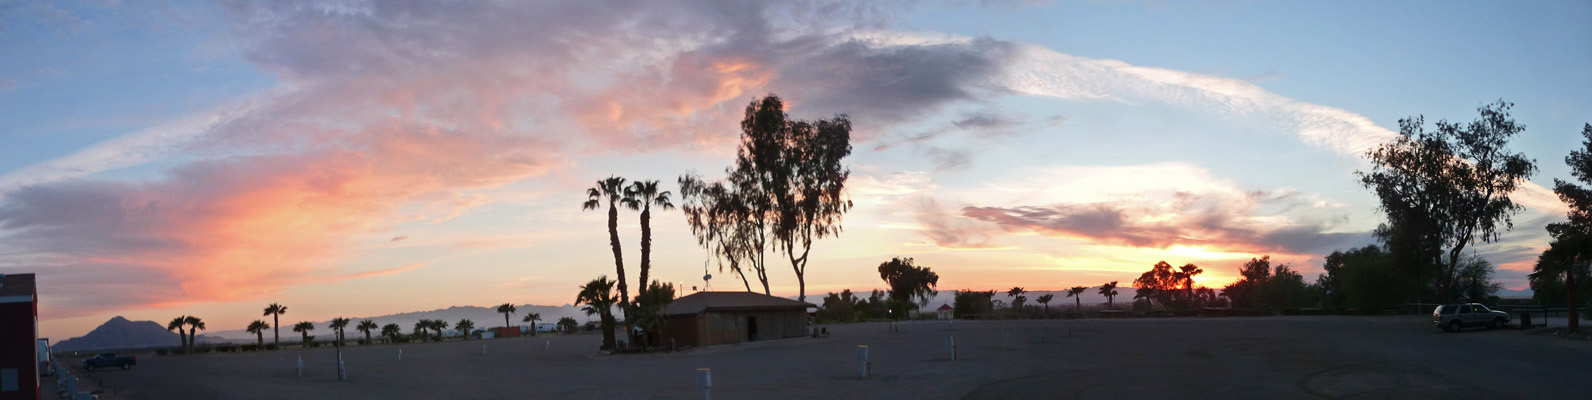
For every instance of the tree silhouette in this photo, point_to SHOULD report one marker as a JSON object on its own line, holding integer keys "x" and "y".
{"x": 392, "y": 332}
{"x": 276, "y": 311}
{"x": 464, "y": 326}
{"x": 366, "y": 326}
{"x": 258, "y": 328}
{"x": 304, "y": 328}
{"x": 907, "y": 283}
{"x": 613, "y": 191}
{"x": 338, "y": 325}
{"x": 1159, "y": 284}
{"x": 1017, "y": 300}
{"x": 506, "y": 309}
{"x": 642, "y": 195}
{"x": 532, "y": 318}
{"x": 724, "y": 225}
{"x": 567, "y": 324}
{"x": 598, "y": 297}
{"x": 1109, "y": 290}
{"x": 194, "y": 326}
{"x": 1046, "y": 301}
{"x": 182, "y": 334}
{"x": 1076, "y": 293}
{"x": 1447, "y": 188}
{"x": 1570, "y": 254}
{"x": 1186, "y": 274}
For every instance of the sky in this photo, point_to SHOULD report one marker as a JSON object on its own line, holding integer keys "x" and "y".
{"x": 361, "y": 158}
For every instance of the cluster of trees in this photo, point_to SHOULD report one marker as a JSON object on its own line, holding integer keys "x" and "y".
{"x": 425, "y": 329}
{"x": 1445, "y": 189}
{"x": 911, "y": 286}
{"x": 967, "y": 303}
{"x": 639, "y": 196}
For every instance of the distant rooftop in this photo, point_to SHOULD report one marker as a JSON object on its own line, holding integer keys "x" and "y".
{"x": 16, "y": 285}
{"x": 730, "y": 301}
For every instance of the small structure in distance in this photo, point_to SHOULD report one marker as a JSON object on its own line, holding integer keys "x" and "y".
{"x": 709, "y": 318}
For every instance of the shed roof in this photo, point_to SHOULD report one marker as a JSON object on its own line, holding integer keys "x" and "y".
{"x": 731, "y": 301}
{"x": 16, "y": 287}
{"x": 944, "y": 307}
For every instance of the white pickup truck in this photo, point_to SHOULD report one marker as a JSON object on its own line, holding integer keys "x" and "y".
{"x": 1453, "y": 317}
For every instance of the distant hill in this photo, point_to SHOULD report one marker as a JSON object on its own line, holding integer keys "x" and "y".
{"x": 484, "y": 317}
{"x": 119, "y": 333}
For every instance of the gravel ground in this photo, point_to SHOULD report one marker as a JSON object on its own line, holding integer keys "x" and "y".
{"x": 1190, "y": 358}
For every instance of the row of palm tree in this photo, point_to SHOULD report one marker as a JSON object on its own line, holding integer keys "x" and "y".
{"x": 639, "y": 196}
{"x": 186, "y": 336}
{"x": 1109, "y": 290}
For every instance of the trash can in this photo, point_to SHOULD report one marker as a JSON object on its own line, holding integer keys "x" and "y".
{"x": 1525, "y": 319}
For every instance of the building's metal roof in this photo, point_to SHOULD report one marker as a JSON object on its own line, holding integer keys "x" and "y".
{"x": 16, "y": 288}
{"x": 731, "y": 301}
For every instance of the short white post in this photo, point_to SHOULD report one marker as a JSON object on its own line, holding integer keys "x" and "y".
{"x": 483, "y": 349}
{"x": 300, "y": 367}
{"x": 342, "y": 373}
{"x": 862, "y": 353}
{"x": 547, "y": 345}
{"x": 952, "y": 342}
{"x": 705, "y": 381}
{"x": 400, "y": 354}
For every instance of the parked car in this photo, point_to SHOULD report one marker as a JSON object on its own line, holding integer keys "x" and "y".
{"x": 108, "y": 360}
{"x": 1453, "y": 317}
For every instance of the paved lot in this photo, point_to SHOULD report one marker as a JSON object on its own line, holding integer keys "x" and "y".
{"x": 1216, "y": 358}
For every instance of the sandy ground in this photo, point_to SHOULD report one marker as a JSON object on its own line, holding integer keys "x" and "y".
{"x": 1191, "y": 358}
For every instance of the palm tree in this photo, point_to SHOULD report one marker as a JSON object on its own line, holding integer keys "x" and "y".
{"x": 420, "y": 329}
{"x": 598, "y": 297}
{"x": 643, "y": 195}
{"x": 304, "y": 328}
{"x": 1186, "y": 273}
{"x": 1109, "y": 290}
{"x": 276, "y": 311}
{"x": 366, "y": 326}
{"x": 1046, "y": 301}
{"x": 194, "y": 326}
{"x": 567, "y": 324}
{"x": 177, "y": 324}
{"x": 613, "y": 190}
{"x": 392, "y": 331}
{"x": 1077, "y": 293}
{"x": 438, "y": 326}
{"x": 464, "y": 326}
{"x": 338, "y": 325}
{"x": 1017, "y": 300}
{"x": 532, "y": 318}
{"x": 506, "y": 309}
{"x": 258, "y": 328}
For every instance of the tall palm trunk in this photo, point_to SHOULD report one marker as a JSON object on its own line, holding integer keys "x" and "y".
{"x": 260, "y": 335}
{"x": 182, "y": 335}
{"x": 1078, "y": 303}
{"x": 506, "y": 320}
{"x": 646, "y": 248}
{"x": 619, "y": 258}
{"x": 276, "y": 329}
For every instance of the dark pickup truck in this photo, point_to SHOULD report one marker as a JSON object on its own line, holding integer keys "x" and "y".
{"x": 102, "y": 360}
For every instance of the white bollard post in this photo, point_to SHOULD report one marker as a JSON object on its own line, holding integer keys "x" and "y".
{"x": 300, "y": 366}
{"x": 342, "y": 373}
{"x": 547, "y": 345}
{"x": 705, "y": 380}
{"x": 400, "y": 354}
{"x": 952, "y": 341}
{"x": 483, "y": 349}
{"x": 862, "y": 353}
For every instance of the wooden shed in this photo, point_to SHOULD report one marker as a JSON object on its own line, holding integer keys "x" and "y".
{"x": 709, "y": 318}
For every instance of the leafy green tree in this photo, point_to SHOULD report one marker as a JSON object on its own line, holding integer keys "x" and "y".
{"x": 841, "y": 307}
{"x": 275, "y": 311}
{"x": 1159, "y": 284}
{"x": 611, "y": 190}
{"x": 642, "y": 195}
{"x": 1109, "y": 290}
{"x": 1046, "y": 301}
{"x": 366, "y": 326}
{"x": 532, "y": 318}
{"x": 721, "y": 220}
{"x": 910, "y": 285}
{"x": 339, "y": 325}
{"x": 506, "y": 309}
{"x": 1474, "y": 282}
{"x": 464, "y": 326}
{"x": 1251, "y": 275}
{"x": 194, "y": 326}
{"x": 1076, "y": 293}
{"x": 568, "y": 325}
{"x": 304, "y": 328}
{"x": 182, "y": 334}
{"x": 258, "y": 328}
{"x": 598, "y": 298}
{"x": 1445, "y": 189}
{"x": 1364, "y": 279}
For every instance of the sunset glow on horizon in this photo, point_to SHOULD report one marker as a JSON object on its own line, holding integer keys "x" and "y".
{"x": 365, "y": 158}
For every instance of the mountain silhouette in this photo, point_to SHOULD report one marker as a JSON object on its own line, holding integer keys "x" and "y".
{"x": 120, "y": 333}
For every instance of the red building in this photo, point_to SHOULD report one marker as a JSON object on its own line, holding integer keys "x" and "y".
{"x": 19, "y": 338}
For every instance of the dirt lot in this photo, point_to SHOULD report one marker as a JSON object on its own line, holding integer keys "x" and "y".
{"x": 1216, "y": 358}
